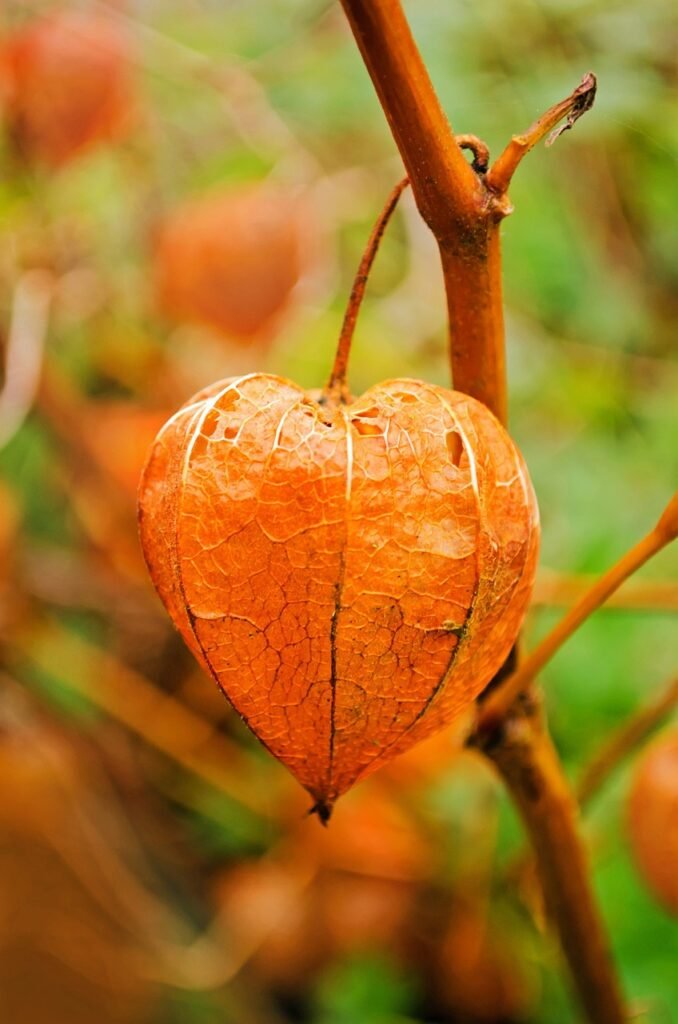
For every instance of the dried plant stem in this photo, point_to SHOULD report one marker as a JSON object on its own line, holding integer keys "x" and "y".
{"x": 450, "y": 195}
{"x": 454, "y": 198}
{"x": 500, "y": 700}
{"x": 337, "y": 387}
{"x": 529, "y": 765}
{"x": 475, "y": 311}
{"x": 624, "y": 740}
{"x": 443, "y": 182}
{"x": 464, "y": 215}
{"x": 520, "y": 872}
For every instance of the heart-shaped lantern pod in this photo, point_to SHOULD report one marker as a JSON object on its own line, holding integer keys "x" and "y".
{"x": 351, "y": 573}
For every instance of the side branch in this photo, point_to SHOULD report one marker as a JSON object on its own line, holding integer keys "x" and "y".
{"x": 500, "y": 700}
{"x": 573, "y": 107}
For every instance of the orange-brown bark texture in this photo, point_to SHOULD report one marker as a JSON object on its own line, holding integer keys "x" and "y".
{"x": 351, "y": 575}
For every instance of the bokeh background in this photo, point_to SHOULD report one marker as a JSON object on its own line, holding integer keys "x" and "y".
{"x": 204, "y": 216}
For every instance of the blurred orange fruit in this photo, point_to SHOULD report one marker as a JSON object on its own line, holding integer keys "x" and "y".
{"x": 653, "y": 818}
{"x": 372, "y": 836}
{"x": 68, "y": 85}
{"x": 230, "y": 261}
{"x": 350, "y": 888}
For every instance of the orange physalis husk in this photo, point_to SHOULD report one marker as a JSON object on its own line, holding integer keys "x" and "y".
{"x": 351, "y": 576}
{"x": 69, "y": 85}
{"x": 352, "y": 573}
{"x": 232, "y": 260}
